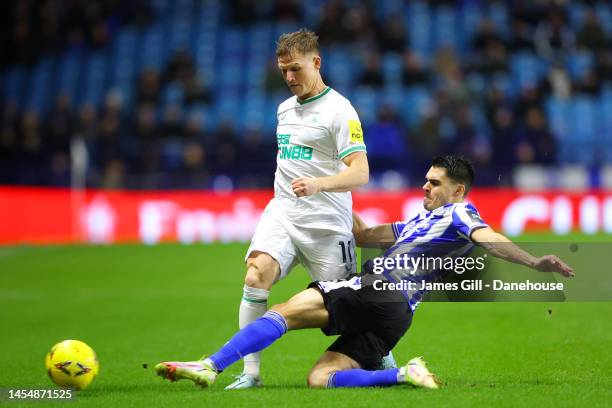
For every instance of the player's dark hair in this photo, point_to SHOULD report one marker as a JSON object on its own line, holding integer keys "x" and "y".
{"x": 457, "y": 168}
{"x": 302, "y": 41}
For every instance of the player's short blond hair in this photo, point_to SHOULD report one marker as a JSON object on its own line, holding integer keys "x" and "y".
{"x": 302, "y": 41}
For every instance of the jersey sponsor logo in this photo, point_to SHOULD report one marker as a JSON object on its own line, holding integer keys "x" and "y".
{"x": 295, "y": 152}
{"x": 355, "y": 131}
{"x": 282, "y": 139}
{"x": 287, "y": 151}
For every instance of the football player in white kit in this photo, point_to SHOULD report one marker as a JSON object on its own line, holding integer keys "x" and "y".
{"x": 321, "y": 157}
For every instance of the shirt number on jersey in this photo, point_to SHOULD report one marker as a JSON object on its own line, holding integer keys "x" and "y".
{"x": 346, "y": 250}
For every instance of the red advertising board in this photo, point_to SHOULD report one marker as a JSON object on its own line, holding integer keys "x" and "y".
{"x": 43, "y": 215}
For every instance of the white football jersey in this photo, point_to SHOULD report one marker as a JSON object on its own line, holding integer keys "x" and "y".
{"x": 313, "y": 137}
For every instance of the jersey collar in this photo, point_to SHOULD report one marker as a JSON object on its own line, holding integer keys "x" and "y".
{"x": 314, "y": 98}
{"x": 442, "y": 209}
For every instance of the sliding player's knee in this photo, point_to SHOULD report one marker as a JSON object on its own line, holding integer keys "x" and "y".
{"x": 317, "y": 378}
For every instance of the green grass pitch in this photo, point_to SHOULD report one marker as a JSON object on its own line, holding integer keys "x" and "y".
{"x": 140, "y": 305}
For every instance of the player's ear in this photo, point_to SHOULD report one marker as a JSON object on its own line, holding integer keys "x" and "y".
{"x": 460, "y": 191}
{"x": 316, "y": 59}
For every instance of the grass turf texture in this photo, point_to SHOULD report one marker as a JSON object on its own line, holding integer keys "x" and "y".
{"x": 135, "y": 304}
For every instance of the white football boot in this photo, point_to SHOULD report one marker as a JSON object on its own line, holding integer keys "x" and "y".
{"x": 244, "y": 381}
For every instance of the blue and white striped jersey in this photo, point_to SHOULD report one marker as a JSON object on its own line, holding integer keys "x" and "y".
{"x": 432, "y": 235}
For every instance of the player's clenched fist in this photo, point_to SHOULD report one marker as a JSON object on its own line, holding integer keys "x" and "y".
{"x": 305, "y": 186}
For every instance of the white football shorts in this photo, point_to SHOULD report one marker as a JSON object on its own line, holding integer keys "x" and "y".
{"x": 326, "y": 255}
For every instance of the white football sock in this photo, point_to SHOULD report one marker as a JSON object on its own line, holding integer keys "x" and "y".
{"x": 253, "y": 305}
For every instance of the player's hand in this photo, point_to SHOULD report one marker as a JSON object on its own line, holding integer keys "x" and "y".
{"x": 552, "y": 263}
{"x": 305, "y": 186}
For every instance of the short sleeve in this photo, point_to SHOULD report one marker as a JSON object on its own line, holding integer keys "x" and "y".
{"x": 349, "y": 133}
{"x": 466, "y": 219}
{"x": 397, "y": 228}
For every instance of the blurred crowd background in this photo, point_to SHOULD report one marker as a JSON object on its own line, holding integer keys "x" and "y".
{"x": 183, "y": 94}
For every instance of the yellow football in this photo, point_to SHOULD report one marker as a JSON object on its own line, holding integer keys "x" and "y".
{"x": 72, "y": 364}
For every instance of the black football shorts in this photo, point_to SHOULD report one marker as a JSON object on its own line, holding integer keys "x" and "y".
{"x": 370, "y": 322}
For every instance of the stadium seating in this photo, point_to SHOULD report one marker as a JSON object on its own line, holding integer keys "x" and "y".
{"x": 233, "y": 61}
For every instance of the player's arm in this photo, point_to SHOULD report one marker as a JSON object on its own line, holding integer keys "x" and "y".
{"x": 500, "y": 246}
{"x": 356, "y": 174}
{"x": 378, "y": 236}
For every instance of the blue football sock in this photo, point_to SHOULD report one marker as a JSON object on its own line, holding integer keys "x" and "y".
{"x": 255, "y": 337}
{"x": 363, "y": 378}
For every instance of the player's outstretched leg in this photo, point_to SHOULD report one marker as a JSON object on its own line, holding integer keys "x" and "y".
{"x": 255, "y": 337}
{"x": 304, "y": 310}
